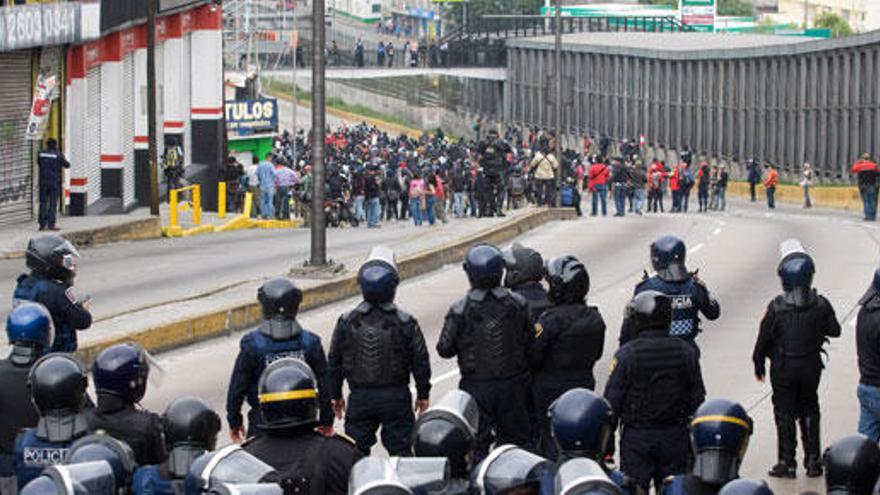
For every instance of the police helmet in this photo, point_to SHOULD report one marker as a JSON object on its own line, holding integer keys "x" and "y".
{"x": 720, "y": 434}
{"x": 30, "y": 331}
{"x": 568, "y": 279}
{"x": 509, "y": 468}
{"x": 279, "y": 298}
{"x": 523, "y": 265}
{"x": 852, "y": 465}
{"x": 191, "y": 429}
{"x": 231, "y": 464}
{"x": 53, "y": 257}
{"x": 102, "y": 447}
{"x": 122, "y": 370}
{"x": 375, "y": 476}
{"x": 449, "y": 429}
{"x": 378, "y": 277}
{"x": 87, "y": 478}
{"x": 580, "y": 422}
{"x": 746, "y": 487}
{"x": 423, "y": 474}
{"x": 484, "y": 265}
{"x": 58, "y": 384}
{"x": 796, "y": 270}
{"x": 667, "y": 257}
{"x": 649, "y": 310}
{"x": 583, "y": 476}
{"x": 288, "y": 394}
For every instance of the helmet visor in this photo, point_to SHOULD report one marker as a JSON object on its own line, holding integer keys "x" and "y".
{"x": 234, "y": 465}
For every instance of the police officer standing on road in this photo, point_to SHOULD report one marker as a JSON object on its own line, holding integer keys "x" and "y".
{"x": 278, "y": 336}
{"x": 524, "y": 271}
{"x": 53, "y": 262}
{"x": 493, "y": 152}
{"x": 868, "y": 347}
{"x": 50, "y": 161}
{"x": 376, "y": 347}
{"x": 191, "y": 428}
{"x": 120, "y": 373}
{"x": 29, "y": 330}
{"x": 490, "y": 332}
{"x": 795, "y": 327}
{"x": 58, "y": 390}
{"x": 687, "y": 293}
{"x": 306, "y": 461}
{"x": 569, "y": 339}
{"x": 654, "y": 388}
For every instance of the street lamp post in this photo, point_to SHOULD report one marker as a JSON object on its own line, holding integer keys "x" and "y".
{"x": 152, "y": 151}
{"x": 557, "y": 55}
{"x": 318, "y": 225}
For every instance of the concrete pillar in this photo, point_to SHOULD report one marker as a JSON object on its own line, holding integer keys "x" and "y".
{"x": 207, "y": 98}
{"x": 74, "y": 132}
{"x": 112, "y": 157}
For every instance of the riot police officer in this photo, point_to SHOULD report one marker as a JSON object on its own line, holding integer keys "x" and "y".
{"x": 582, "y": 476}
{"x": 30, "y": 332}
{"x": 101, "y": 447}
{"x": 746, "y": 487}
{"x": 720, "y": 434}
{"x": 401, "y": 476}
{"x": 852, "y": 466}
{"x": 306, "y": 461}
{"x": 867, "y": 335}
{"x": 191, "y": 428}
{"x": 58, "y": 386}
{"x": 569, "y": 339}
{"x": 654, "y": 387}
{"x": 794, "y": 329}
{"x": 53, "y": 262}
{"x": 449, "y": 429}
{"x": 376, "y": 347}
{"x": 50, "y": 162}
{"x": 523, "y": 274}
{"x": 688, "y": 294}
{"x": 490, "y": 332}
{"x": 278, "y": 336}
{"x": 510, "y": 469}
{"x": 120, "y": 373}
{"x": 493, "y": 152}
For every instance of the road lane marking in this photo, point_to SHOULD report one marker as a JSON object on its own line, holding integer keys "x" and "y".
{"x": 696, "y": 248}
{"x": 852, "y": 322}
{"x": 444, "y": 376}
{"x": 716, "y": 231}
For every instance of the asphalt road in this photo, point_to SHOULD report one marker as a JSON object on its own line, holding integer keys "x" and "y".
{"x": 737, "y": 254}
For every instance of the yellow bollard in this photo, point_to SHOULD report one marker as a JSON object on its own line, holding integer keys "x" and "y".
{"x": 248, "y": 204}
{"x": 221, "y": 200}
{"x": 172, "y": 203}
{"x": 197, "y": 204}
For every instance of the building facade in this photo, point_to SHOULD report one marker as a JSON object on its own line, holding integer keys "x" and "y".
{"x": 862, "y": 15}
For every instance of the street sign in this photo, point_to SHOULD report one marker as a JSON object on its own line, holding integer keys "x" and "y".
{"x": 246, "y": 117}
{"x": 698, "y": 14}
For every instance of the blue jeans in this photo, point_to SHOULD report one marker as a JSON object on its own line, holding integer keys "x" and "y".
{"x": 374, "y": 211}
{"x": 771, "y": 197}
{"x": 869, "y": 411}
{"x": 807, "y": 201}
{"x": 685, "y": 198}
{"x": 415, "y": 206}
{"x": 458, "y": 204}
{"x": 620, "y": 199}
{"x": 869, "y": 200}
{"x": 359, "y": 212}
{"x": 600, "y": 192}
{"x": 267, "y": 198}
{"x": 429, "y": 209}
{"x": 638, "y": 200}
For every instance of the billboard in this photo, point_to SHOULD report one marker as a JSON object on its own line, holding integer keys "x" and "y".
{"x": 245, "y": 117}
{"x": 698, "y": 14}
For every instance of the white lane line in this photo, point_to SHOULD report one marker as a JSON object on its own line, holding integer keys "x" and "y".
{"x": 852, "y": 322}
{"x": 696, "y": 248}
{"x": 716, "y": 231}
{"x": 444, "y": 376}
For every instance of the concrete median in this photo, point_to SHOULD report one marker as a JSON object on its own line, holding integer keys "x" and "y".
{"x": 841, "y": 198}
{"x": 238, "y": 317}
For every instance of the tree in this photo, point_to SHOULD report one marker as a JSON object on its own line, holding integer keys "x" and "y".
{"x": 832, "y": 21}
{"x": 735, "y": 8}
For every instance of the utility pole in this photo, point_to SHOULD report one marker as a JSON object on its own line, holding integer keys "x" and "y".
{"x": 557, "y": 55}
{"x": 806, "y": 13}
{"x": 318, "y": 226}
{"x": 295, "y": 35}
{"x": 249, "y": 34}
{"x": 152, "y": 152}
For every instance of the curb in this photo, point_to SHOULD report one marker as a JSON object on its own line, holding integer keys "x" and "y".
{"x": 134, "y": 230}
{"x": 840, "y": 198}
{"x": 224, "y": 321}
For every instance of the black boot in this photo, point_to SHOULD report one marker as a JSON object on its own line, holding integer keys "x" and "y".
{"x": 786, "y": 442}
{"x": 810, "y": 436}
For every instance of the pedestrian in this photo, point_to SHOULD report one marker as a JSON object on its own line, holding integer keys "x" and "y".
{"x": 359, "y": 193}
{"x": 655, "y": 387}
{"x": 597, "y": 183}
{"x": 376, "y": 347}
{"x": 439, "y": 199}
{"x": 685, "y": 183}
{"x": 372, "y": 193}
{"x": 754, "y": 176}
{"x": 721, "y": 186}
{"x": 545, "y": 166}
{"x": 619, "y": 179}
{"x": 675, "y": 188}
{"x": 392, "y": 189}
{"x": 770, "y": 185}
{"x": 253, "y": 186}
{"x": 793, "y": 332}
{"x": 417, "y": 191}
{"x": 704, "y": 178}
{"x": 286, "y": 179}
{"x": 638, "y": 180}
{"x": 359, "y": 53}
{"x": 867, "y": 338}
{"x": 657, "y": 178}
{"x": 380, "y": 54}
{"x": 266, "y": 180}
{"x": 867, "y": 172}
{"x": 305, "y": 195}
{"x": 806, "y": 182}
{"x": 389, "y": 52}
{"x": 460, "y": 186}
{"x": 50, "y": 162}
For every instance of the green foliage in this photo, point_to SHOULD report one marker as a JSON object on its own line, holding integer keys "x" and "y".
{"x": 834, "y": 22}
{"x": 736, "y": 8}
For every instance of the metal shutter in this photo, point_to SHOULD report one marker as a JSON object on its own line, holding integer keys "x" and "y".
{"x": 92, "y": 151}
{"x": 16, "y": 160}
{"x": 128, "y": 129}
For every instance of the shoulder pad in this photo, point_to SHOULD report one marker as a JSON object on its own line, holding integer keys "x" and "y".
{"x": 644, "y": 283}
{"x": 458, "y": 308}
{"x": 518, "y": 298}
{"x": 404, "y": 316}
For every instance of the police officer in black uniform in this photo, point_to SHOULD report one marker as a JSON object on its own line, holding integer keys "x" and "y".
{"x": 569, "y": 339}
{"x": 795, "y": 327}
{"x": 50, "y": 162}
{"x": 655, "y": 386}
{"x": 306, "y": 461}
{"x": 191, "y": 428}
{"x": 867, "y": 340}
{"x": 278, "y": 336}
{"x": 376, "y": 347}
{"x": 523, "y": 274}
{"x": 687, "y": 293}
{"x": 490, "y": 332}
{"x": 29, "y": 330}
{"x": 120, "y": 373}
{"x": 852, "y": 466}
{"x": 493, "y": 153}
{"x": 53, "y": 262}
{"x": 58, "y": 390}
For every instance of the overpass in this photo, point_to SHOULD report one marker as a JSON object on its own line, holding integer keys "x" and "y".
{"x": 304, "y": 75}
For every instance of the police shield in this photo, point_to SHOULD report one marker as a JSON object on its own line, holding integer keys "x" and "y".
{"x": 422, "y": 475}
{"x": 384, "y": 254}
{"x": 790, "y": 246}
{"x": 458, "y": 407}
{"x": 509, "y": 467}
{"x": 230, "y": 464}
{"x": 118, "y": 455}
{"x": 584, "y": 476}
{"x": 375, "y": 476}
{"x": 248, "y": 489}
{"x": 87, "y": 478}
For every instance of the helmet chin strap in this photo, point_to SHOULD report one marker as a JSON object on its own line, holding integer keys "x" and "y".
{"x": 24, "y": 355}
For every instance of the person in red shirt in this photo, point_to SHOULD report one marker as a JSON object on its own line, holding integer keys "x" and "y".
{"x": 597, "y": 184}
{"x": 674, "y": 187}
{"x": 656, "y": 179}
{"x": 867, "y": 172}
{"x": 770, "y": 185}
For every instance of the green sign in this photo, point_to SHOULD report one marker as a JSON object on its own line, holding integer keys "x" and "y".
{"x": 698, "y": 14}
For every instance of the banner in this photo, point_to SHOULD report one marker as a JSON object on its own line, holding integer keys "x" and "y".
{"x": 698, "y": 14}
{"x": 245, "y": 117}
{"x": 44, "y": 93}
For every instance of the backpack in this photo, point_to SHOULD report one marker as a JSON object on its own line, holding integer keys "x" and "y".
{"x": 687, "y": 178}
{"x": 517, "y": 185}
{"x": 567, "y": 197}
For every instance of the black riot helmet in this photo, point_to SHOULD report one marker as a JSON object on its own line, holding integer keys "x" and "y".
{"x": 86, "y": 478}
{"x": 796, "y": 270}
{"x": 449, "y": 429}
{"x": 581, "y": 424}
{"x": 288, "y": 395}
{"x": 53, "y": 257}
{"x": 649, "y": 310}
{"x": 568, "y": 280}
{"x": 484, "y": 265}
{"x": 582, "y": 476}
{"x": 667, "y": 257}
{"x": 523, "y": 265}
{"x": 57, "y": 383}
{"x": 852, "y": 466}
{"x": 191, "y": 429}
{"x": 231, "y": 464}
{"x": 720, "y": 434}
{"x": 509, "y": 468}
{"x": 378, "y": 277}
{"x": 102, "y": 447}
{"x": 746, "y": 487}
{"x": 30, "y": 331}
{"x": 122, "y": 370}
{"x": 280, "y": 298}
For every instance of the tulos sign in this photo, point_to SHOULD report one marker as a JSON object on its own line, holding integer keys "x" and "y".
{"x": 252, "y": 116}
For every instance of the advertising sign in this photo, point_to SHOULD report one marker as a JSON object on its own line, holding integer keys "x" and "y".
{"x": 244, "y": 117}
{"x": 42, "y": 105}
{"x": 698, "y": 14}
{"x": 25, "y": 26}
